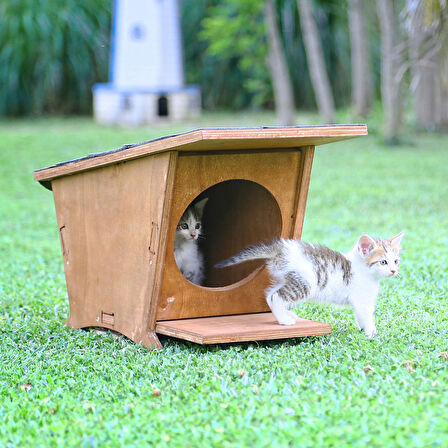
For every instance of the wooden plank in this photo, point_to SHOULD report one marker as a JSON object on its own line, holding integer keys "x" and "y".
{"x": 161, "y": 193}
{"x": 302, "y": 190}
{"x": 159, "y": 257}
{"x": 212, "y": 139}
{"x": 239, "y": 328}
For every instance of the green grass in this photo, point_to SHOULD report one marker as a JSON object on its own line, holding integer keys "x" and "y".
{"x": 89, "y": 389}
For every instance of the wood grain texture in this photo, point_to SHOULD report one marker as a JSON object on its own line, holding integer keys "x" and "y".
{"x": 238, "y": 213}
{"x": 158, "y": 250}
{"x": 239, "y": 328}
{"x": 106, "y": 218}
{"x": 151, "y": 341}
{"x": 303, "y": 184}
{"x": 277, "y": 172}
{"x": 213, "y": 139}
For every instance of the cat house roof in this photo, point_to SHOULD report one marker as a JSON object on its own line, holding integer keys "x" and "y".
{"x": 208, "y": 139}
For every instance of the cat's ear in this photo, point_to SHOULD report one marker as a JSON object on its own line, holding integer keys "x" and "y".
{"x": 365, "y": 245}
{"x": 199, "y": 207}
{"x": 396, "y": 240}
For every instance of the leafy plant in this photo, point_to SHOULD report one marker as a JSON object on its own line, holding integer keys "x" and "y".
{"x": 51, "y": 54}
{"x": 234, "y": 30}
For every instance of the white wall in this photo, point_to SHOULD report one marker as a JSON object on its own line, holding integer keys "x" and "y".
{"x": 147, "y": 45}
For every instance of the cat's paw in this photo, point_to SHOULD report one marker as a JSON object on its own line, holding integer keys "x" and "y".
{"x": 371, "y": 333}
{"x": 288, "y": 318}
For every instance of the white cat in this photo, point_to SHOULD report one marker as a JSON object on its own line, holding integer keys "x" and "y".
{"x": 186, "y": 250}
{"x": 303, "y": 271}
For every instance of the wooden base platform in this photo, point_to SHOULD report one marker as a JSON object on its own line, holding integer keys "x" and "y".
{"x": 238, "y": 328}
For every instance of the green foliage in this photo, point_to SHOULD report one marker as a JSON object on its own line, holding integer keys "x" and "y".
{"x": 234, "y": 30}
{"x": 233, "y": 35}
{"x": 332, "y": 21}
{"x": 220, "y": 79}
{"x": 51, "y": 53}
{"x": 289, "y": 23}
{"x": 89, "y": 389}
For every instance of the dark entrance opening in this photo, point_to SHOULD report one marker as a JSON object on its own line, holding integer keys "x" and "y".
{"x": 238, "y": 213}
{"x": 162, "y": 106}
{"x": 126, "y": 103}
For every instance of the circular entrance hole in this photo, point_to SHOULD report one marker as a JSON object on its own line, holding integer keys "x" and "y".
{"x": 238, "y": 213}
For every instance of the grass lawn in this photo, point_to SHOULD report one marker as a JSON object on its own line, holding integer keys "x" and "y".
{"x": 61, "y": 387}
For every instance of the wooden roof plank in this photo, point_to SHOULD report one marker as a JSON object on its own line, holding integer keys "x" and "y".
{"x": 216, "y": 139}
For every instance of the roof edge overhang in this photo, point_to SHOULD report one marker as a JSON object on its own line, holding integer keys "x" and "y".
{"x": 208, "y": 139}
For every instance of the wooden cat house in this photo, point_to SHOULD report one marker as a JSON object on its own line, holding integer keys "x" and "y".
{"x": 117, "y": 215}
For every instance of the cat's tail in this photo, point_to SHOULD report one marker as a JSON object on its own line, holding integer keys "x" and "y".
{"x": 257, "y": 252}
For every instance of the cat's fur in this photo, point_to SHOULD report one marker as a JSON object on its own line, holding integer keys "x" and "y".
{"x": 186, "y": 250}
{"x": 302, "y": 271}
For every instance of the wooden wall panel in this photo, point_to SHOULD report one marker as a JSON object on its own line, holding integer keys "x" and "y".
{"x": 110, "y": 221}
{"x": 278, "y": 172}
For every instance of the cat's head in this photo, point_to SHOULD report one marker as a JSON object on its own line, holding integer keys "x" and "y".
{"x": 190, "y": 225}
{"x": 382, "y": 257}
